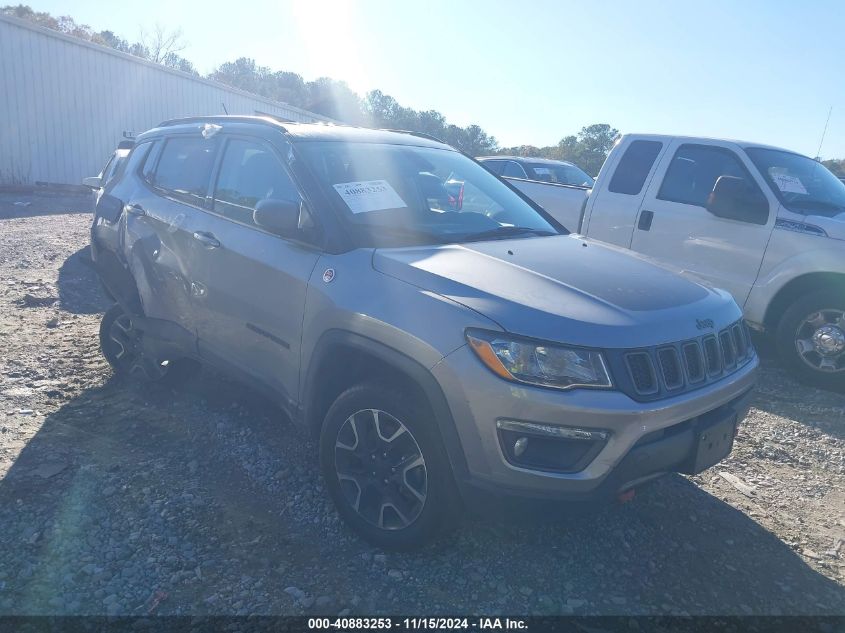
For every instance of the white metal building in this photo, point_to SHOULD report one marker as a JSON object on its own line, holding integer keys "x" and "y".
{"x": 65, "y": 103}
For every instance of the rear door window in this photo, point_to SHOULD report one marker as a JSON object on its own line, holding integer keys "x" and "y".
{"x": 147, "y": 160}
{"x": 634, "y": 167}
{"x": 184, "y": 168}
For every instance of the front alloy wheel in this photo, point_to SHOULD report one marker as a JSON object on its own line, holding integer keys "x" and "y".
{"x": 381, "y": 469}
{"x": 385, "y": 466}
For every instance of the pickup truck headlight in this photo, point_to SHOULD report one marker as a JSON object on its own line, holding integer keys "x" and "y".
{"x": 539, "y": 363}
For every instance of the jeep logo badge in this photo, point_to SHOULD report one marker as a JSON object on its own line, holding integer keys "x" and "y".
{"x": 703, "y": 324}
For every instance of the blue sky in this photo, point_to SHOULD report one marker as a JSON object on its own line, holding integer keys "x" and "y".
{"x": 533, "y": 72}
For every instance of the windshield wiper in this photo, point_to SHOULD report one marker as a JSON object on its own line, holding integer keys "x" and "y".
{"x": 810, "y": 203}
{"x": 417, "y": 235}
{"x": 506, "y": 231}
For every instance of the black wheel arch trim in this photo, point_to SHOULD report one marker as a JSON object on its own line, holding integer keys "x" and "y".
{"x": 796, "y": 288}
{"x": 422, "y": 376}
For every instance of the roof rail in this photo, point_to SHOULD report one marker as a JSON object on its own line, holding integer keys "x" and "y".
{"x": 220, "y": 119}
{"x": 430, "y": 137}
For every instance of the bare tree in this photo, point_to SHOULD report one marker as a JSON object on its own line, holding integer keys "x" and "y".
{"x": 159, "y": 43}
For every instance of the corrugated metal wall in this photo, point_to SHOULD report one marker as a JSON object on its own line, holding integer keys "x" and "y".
{"x": 65, "y": 103}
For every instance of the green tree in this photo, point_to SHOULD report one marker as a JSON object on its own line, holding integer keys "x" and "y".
{"x": 595, "y": 142}
{"x": 588, "y": 149}
{"x": 836, "y": 165}
{"x": 335, "y": 99}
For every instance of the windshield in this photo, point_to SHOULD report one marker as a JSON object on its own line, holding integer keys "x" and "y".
{"x": 395, "y": 194}
{"x": 559, "y": 174}
{"x": 802, "y": 184}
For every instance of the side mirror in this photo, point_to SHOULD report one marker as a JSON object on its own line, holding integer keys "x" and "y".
{"x": 734, "y": 198}
{"x": 278, "y": 216}
{"x": 95, "y": 182}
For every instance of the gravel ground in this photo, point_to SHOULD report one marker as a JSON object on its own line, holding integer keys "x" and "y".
{"x": 122, "y": 499}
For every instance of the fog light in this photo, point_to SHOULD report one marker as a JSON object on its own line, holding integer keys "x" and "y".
{"x": 549, "y": 447}
{"x": 552, "y": 430}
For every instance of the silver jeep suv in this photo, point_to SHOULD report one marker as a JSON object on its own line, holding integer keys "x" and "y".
{"x": 436, "y": 330}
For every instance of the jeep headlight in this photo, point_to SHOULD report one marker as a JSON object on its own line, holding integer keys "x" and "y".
{"x": 539, "y": 363}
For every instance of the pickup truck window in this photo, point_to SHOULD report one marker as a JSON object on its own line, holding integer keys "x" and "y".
{"x": 395, "y": 194}
{"x": 694, "y": 170}
{"x": 802, "y": 184}
{"x": 634, "y": 167}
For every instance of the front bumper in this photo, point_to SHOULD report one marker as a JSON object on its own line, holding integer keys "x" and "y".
{"x": 645, "y": 439}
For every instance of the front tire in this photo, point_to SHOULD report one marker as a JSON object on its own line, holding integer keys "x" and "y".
{"x": 386, "y": 469}
{"x": 810, "y": 338}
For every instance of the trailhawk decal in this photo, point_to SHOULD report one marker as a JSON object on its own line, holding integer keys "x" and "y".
{"x": 370, "y": 195}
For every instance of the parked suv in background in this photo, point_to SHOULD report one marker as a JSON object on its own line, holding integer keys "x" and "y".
{"x": 557, "y": 172}
{"x": 111, "y": 169}
{"x": 436, "y": 344}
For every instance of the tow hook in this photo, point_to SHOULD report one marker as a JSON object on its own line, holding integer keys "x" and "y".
{"x": 626, "y": 496}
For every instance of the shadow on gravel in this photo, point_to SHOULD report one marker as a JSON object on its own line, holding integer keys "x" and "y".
{"x": 777, "y": 392}
{"x": 79, "y": 287}
{"x": 127, "y": 493}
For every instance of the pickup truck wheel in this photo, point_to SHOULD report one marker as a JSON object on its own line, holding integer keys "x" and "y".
{"x": 811, "y": 339}
{"x": 386, "y": 469}
{"x": 121, "y": 344}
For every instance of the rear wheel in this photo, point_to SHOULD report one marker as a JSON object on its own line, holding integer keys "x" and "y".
{"x": 386, "y": 469}
{"x": 811, "y": 339}
{"x": 122, "y": 346}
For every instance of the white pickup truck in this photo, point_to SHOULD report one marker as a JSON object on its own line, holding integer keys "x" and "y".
{"x": 766, "y": 224}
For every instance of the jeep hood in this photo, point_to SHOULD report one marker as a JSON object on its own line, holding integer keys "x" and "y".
{"x": 564, "y": 288}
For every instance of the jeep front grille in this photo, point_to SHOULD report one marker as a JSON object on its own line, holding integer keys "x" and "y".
{"x": 687, "y": 365}
{"x": 642, "y": 373}
{"x": 740, "y": 344}
{"x": 711, "y": 353}
{"x": 694, "y": 362}
{"x": 670, "y": 368}
{"x": 728, "y": 352}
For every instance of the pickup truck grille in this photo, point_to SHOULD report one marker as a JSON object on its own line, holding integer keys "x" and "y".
{"x": 669, "y": 369}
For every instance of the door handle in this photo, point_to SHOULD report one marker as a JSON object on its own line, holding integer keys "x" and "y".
{"x": 207, "y": 239}
{"x": 135, "y": 209}
{"x": 644, "y": 223}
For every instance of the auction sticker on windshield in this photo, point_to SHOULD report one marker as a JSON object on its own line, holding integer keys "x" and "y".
{"x": 789, "y": 184}
{"x": 371, "y": 195}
